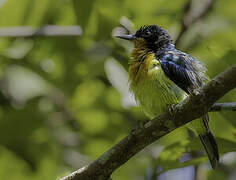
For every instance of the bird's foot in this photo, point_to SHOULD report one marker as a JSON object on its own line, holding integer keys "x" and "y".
{"x": 143, "y": 123}
{"x": 195, "y": 92}
{"x": 171, "y": 108}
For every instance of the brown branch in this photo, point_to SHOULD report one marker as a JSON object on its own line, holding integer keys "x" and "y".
{"x": 49, "y": 30}
{"x": 191, "y": 108}
{"x": 188, "y": 20}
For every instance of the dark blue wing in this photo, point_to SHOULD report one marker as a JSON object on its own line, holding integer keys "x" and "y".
{"x": 185, "y": 71}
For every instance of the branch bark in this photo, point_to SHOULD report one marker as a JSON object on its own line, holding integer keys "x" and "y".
{"x": 191, "y": 108}
{"x": 49, "y": 30}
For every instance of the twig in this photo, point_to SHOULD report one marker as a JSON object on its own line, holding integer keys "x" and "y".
{"x": 191, "y": 108}
{"x": 223, "y": 107}
{"x": 49, "y": 30}
{"x": 188, "y": 19}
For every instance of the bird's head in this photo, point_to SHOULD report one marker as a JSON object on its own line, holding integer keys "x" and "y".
{"x": 152, "y": 37}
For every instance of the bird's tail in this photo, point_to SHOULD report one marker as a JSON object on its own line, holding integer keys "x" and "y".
{"x": 209, "y": 143}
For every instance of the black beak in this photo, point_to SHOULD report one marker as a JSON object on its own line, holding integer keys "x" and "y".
{"x": 127, "y": 37}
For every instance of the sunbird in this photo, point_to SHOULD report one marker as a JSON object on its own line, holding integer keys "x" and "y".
{"x": 161, "y": 75}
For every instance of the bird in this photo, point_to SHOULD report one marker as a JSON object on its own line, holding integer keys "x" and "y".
{"x": 161, "y": 75}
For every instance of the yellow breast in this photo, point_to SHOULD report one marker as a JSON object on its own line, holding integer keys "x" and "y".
{"x": 151, "y": 87}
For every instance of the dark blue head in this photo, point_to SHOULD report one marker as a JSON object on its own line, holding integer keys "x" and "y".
{"x": 154, "y": 37}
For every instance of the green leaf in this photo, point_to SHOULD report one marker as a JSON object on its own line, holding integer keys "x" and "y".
{"x": 83, "y": 10}
{"x": 170, "y": 156}
{"x": 13, "y": 12}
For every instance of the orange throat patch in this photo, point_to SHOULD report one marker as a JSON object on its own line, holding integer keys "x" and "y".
{"x": 140, "y": 61}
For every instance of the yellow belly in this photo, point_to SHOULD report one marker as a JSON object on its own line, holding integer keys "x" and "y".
{"x": 153, "y": 90}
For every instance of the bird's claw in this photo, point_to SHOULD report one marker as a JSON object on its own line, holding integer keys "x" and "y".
{"x": 143, "y": 123}
{"x": 195, "y": 92}
{"x": 171, "y": 108}
{"x": 140, "y": 125}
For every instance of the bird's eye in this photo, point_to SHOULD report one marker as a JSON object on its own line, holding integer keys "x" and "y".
{"x": 146, "y": 33}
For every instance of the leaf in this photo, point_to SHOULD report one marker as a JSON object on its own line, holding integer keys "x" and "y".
{"x": 172, "y": 155}
{"x": 118, "y": 77}
{"x": 14, "y": 11}
{"x": 31, "y": 86}
{"x": 83, "y": 10}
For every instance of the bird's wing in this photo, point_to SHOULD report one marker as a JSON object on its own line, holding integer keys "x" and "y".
{"x": 189, "y": 73}
{"x": 185, "y": 71}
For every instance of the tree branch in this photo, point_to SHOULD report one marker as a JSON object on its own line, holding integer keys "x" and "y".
{"x": 191, "y": 108}
{"x": 188, "y": 19}
{"x": 49, "y": 30}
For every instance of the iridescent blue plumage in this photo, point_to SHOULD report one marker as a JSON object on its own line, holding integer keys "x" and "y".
{"x": 184, "y": 70}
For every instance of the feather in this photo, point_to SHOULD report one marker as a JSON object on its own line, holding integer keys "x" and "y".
{"x": 185, "y": 71}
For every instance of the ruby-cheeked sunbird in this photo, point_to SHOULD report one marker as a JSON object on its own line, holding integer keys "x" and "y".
{"x": 160, "y": 76}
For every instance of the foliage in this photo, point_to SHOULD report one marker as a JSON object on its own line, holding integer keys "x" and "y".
{"x": 65, "y": 100}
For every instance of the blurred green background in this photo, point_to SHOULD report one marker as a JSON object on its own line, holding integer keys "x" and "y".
{"x": 64, "y": 100}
